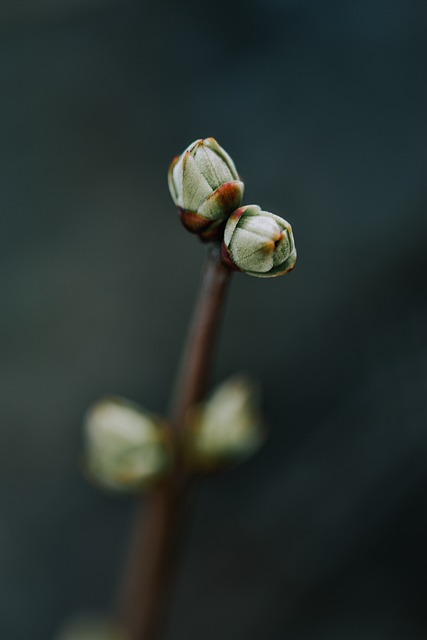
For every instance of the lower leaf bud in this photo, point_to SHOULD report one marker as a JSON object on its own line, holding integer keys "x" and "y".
{"x": 91, "y": 627}
{"x": 127, "y": 448}
{"x": 228, "y": 427}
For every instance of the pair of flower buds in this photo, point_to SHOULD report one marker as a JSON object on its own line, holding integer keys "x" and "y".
{"x": 208, "y": 192}
{"x": 128, "y": 449}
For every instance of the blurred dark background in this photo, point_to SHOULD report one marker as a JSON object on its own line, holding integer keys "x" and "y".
{"x": 322, "y": 535}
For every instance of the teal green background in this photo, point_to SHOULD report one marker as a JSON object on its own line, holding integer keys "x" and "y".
{"x": 322, "y": 107}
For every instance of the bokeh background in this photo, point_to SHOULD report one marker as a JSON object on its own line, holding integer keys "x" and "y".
{"x": 322, "y": 536}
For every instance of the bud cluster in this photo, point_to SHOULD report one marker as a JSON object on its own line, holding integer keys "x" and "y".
{"x": 208, "y": 192}
{"x": 129, "y": 450}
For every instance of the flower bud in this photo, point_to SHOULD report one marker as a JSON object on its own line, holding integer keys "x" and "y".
{"x": 126, "y": 447}
{"x": 228, "y": 427}
{"x": 259, "y": 243}
{"x": 205, "y": 187}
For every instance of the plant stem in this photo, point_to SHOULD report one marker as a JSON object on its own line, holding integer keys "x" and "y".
{"x": 158, "y": 523}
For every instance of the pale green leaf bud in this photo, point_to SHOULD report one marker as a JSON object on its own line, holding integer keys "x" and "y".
{"x": 205, "y": 187}
{"x": 259, "y": 243}
{"x": 91, "y": 627}
{"x": 228, "y": 427}
{"x": 126, "y": 448}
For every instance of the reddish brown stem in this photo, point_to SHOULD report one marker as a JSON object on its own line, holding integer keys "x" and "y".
{"x": 158, "y": 523}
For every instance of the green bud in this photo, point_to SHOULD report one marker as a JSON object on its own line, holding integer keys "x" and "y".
{"x": 126, "y": 447}
{"x": 91, "y": 627}
{"x": 259, "y": 243}
{"x": 205, "y": 187}
{"x": 228, "y": 427}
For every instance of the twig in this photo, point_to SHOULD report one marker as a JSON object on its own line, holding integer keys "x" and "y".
{"x": 158, "y": 523}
